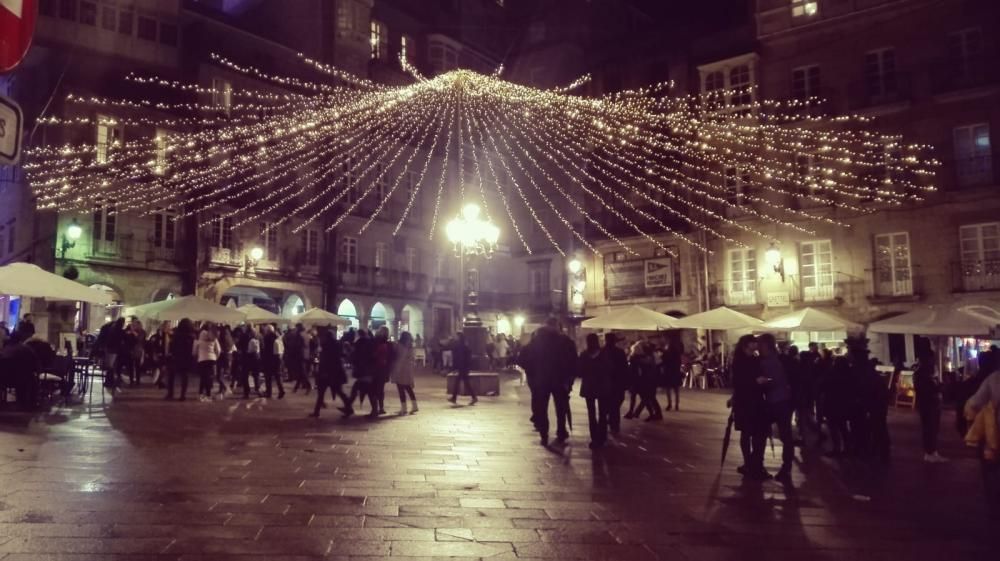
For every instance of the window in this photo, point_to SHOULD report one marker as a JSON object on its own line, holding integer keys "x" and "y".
{"x": 125, "y": 19}
{"x": 965, "y": 45}
{"x": 412, "y": 261}
{"x": 973, "y": 154}
{"x": 67, "y": 9}
{"x": 351, "y": 19}
{"x": 105, "y": 223}
{"x": 381, "y": 255}
{"x": 804, "y": 8}
{"x": 379, "y": 40}
{"x": 109, "y": 17}
{"x": 714, "y": 81}
{"x": 443, "y": 57}
{"x": 880, "y": 73}
{"x": 739, "y": 82}
{"x": 805, "y": 82}
{"x": 737, "y": 183}
{"x": 168, "y": 34}
{"x": 349, "y": 254}
{"x": 893, "y": 272}
{"x": 269, "y": 240}
{"x": 816, "y": 268}
{"x": 88, "y": 13}
{"x": 980, "y": 245}
{"x": 160, "y": 143}
{"x": 350, "y": 180}
{"x": 538, "y": 279}
{"x": 310, "y": 248}
{"x": 164, "y": 229}
{"x": 407, "y": 48}
{"x": 742, "y": 289}
{"x": 222, "y": 94}
{"x": 146, "y": 28}
{"x": 222, "y": 232}
{"x": 109, "y": 137}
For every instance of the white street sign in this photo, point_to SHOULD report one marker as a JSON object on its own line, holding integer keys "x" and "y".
{"x": 10, "y": 131}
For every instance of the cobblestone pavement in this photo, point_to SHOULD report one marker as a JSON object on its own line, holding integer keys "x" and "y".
{"x": 141, "y": 478}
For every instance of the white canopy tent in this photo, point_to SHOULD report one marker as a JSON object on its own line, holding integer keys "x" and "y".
{"x": 810, "y": 319}
{"x": 190, "y": 307}
{"x": 320, "y": 317}
{"x": 31, "y": 281}
{"x": 969, "y": 319}
{"x": 632, "y": 318}
{"x": 255, "y": 315}
{"x": 720, "y": 319}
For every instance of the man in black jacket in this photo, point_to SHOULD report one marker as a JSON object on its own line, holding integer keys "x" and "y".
{"x": 550, "y": 359}
{"x": 461, "y": 360}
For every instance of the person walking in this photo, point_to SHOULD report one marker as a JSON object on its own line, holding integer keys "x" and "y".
{"x": 250, "y": 362}
{"x": 617, "y": 364}
{"x": 330, "y": 371}
{"x": 270, "y": 358}
{"x": 749, "y": 408}
{"x": 988, "y": 394}
{"x": 385, "y": 357}
{"x": 649, "y": 377}
{"x": 206, "y": 352}
{"x": 181, "y": 361}
{"x": 550, "y": 359}
{"x": 362, "y": 368}
{"x": 402, "y": 373}
{"x": 632, "y": 379}
{"x": 157, "y": 349}
{"x": 461, "y": 359}
{"x": 672, "y": 373}
{"x": 778, "y": 394}
{"x": 928, "y": 395}
{"x": 296, "y": 351}
{"x": 597, "y": 388}
{"x": 224, "y": 368}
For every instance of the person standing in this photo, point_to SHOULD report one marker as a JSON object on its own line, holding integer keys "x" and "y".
{"x": 250, "y": 361}
{"x": 157, "y": 349}
{"x": 270, "y": 358}
{"x": 224, "y": 368}
{"x": 597, "y": 388}
{"x": 461, "y": 359}
{"x": 206, "y": 351}
{"x": 749, "y": 408}
{"x": 137, "y": 350}
{"x": 384, "y": 354}
{"x": 778, "y": 394}
{"x": 181, "y": 361}
{"x": 114, "y": 345}
{"x": 295, "y": 353}
{"x": 26, "y": 329}
{"x": 362, "y": 368}
{"x": 617, "y": 365}
{"x": 928, "y": 390}
{"x": 402, "y": 373}
{"x": 672, "y": 373}
{"x": 330, "y": 371}
{"x": 645, "y": 365}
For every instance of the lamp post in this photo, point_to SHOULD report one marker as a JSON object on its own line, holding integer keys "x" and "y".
{"x": 473, "y": 237}
{"x": 69, "y": 237}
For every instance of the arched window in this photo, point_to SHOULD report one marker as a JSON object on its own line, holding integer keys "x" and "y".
{"x": 347, "y": 310}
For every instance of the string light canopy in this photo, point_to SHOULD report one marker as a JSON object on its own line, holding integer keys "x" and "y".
{"x": 550, "y": 164}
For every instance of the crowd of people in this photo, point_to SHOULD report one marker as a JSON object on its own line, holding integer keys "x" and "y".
{"x": 259, "y": 361}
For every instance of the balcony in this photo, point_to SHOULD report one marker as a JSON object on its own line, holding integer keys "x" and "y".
{"x": 126, "y": 249}
{"x": 963, "y": 74}
{"x": 977, "y": 276}
{"x": 819, "y": 293}
{"x": 383, "y": 281}
{"x": 869, "y": 94}
{"x": 886, "y": 286}
{"x": 225, "y": 256}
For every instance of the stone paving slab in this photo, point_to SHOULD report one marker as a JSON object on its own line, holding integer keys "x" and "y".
{"x": 138, "y": 478}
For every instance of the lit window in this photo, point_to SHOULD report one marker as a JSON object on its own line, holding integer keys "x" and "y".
{"x": 381, "y": 255}
{"x": 406, "y": 48}
{"x": 269, "y": 240}
{"x": 880, "y": 73}
{"x": 804, "y": 8}
{"x": 222, "y": 232}
{"x": 379, "y": 40}
{"x": 973, "y": 155}
{"x": 742, "y": 286}
{"x": 164, "y": 229}
{"x": 310, "y": 247}
{"x": 222, "y": 94}
{"x": 109, "y": 138}
{"x": 893, "y": 273}
{"x": 816, "y": 268}
{"x": 349, "y": 254}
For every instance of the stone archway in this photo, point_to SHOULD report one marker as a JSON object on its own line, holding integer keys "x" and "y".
{"x": 294, "y": 304}
{"x": 412, "y": 319}
{"x": 382, "y": 315}
{"x": 347, "y": 310}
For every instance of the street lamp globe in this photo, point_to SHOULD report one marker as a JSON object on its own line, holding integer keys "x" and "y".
{"x": 257, "y": 253}
{"x": 470, "y": 233}
{"x": 773, "y": 257}
{"x": 575, "y": 266}
{"x": 73, "y": 232}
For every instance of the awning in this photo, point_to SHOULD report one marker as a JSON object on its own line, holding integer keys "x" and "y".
{"x": 810, "y": 319}
{"x": 31, "y": 281}
{"x": 255, "y": 314}
{"x": 320, "y": 317}
{"x": 720, "y": 319}
{"x": 632, "y": 318}
{"x": 961, "y": 319}
{"x": 190, "y": 307}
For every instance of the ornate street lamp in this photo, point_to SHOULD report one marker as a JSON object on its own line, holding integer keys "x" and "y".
{"x": 473, "y": 237}
{"x": 70, "y": 236}
{"x": 251, "y": 259}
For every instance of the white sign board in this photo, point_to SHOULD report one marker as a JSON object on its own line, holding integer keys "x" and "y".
{"x": 659, "y": 272}
{"x": 10, "y": 131}
{"x": 778, "y": 300}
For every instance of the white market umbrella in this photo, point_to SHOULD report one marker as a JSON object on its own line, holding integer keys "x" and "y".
{"x": 810, "y": 319}
{"x": 193, "y": 308}
{"x": 255, "y": 314}
{"x": 31, "y": 281}
{"x": 632, "y": 318}
{"x": 720, "y": 319}
{"x": 970, "y": 319}
{"x": 320, "y": 317}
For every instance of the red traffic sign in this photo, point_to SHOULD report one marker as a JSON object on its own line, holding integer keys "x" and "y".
{"x": 17, "y": 26}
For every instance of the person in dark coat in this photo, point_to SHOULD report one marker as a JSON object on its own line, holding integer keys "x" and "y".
{"x": 551, "y": 357}
{"x": 672, "y": 373}
{"x": 385, "y": 358}
{"x": 778, "y": 394}
{"x": 330, "y": 373}
{"x": 181, "y": 361}
{"x": 617, "y": 363}
{"x": 271, "y": 362}
{"x": 749, "y": 408}
{"x": 597, "y": 387}
{"x": 362, "y": 367}
{"x": 25, "y": 329}
{"x": 18, "y": 366}
{"x": 649, "y": 377}
{"x": 928, "y": 390}
{"x": 461, "y": 360}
